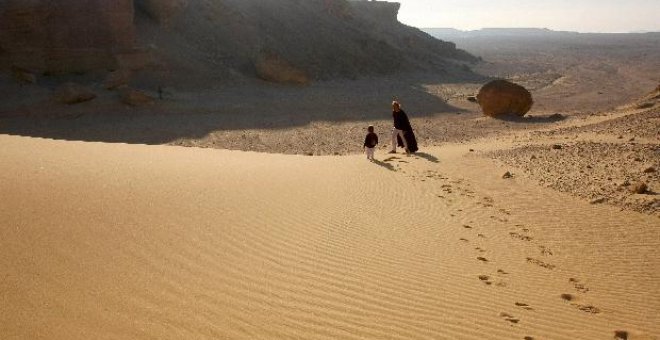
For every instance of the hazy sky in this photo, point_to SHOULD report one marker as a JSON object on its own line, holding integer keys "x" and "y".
{"x": 573, "y": 15}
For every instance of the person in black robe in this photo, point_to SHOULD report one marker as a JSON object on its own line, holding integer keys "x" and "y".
{"x": 402, "y": 133}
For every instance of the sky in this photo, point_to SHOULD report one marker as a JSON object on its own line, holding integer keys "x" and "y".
{"x": 568, "y": 15}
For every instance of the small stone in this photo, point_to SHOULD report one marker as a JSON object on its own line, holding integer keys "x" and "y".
{"x": 649, "y": 170}
{"x": 620, "y": 335}
{"x": 556, "y": 116}
{"x": 507, "y": 175}
{"x": 557, "y": 147}
{"x": 640, "y": 188}
{"x": 598, "y": 200}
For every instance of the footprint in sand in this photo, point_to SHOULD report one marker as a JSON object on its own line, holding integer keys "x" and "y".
{"x": 545, "y": 251}
{"x": 485, "y": 279}
{"x": 520, "y": 236}
{"x": 541, "y": 263}
{"x": 585, "y": 308}
{"x": 524, "y": 306}
{"x": 578, "y": 286}
{"x": 509, "y": 317}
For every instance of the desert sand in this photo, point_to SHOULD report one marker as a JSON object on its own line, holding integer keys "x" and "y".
{"x": 224, "y": 203}
{"x": 118, "y": 241}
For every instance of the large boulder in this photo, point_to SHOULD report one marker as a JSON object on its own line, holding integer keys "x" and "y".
{"x": 71, "y": 93}
{"x": 501, "y": 97}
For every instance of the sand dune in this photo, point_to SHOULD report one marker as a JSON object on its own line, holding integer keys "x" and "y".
{"x": 115, "y": 241}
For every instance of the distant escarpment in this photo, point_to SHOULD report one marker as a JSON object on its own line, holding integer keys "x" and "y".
{"x": 288, "y": 41}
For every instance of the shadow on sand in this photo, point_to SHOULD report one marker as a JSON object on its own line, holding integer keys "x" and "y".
{"x": 387, "y": 166}
{"x": 428, "y": 157}
{"x": 557, "y": 117}
{"x": 196, "y": 114}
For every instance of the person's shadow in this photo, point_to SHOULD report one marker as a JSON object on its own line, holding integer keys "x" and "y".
{"x": 428, "y": 157}
{"x": 385, "y": 165}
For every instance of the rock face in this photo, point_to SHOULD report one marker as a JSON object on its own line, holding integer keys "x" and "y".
{"x": 163, "y": 11}
{"x": 195, "y": 42}
{"x": 272, "y": 68}
{"x": 66, "y": 36}
{"x": 501, "y": 97}
{"x": 71, "y": 93}
{"x": 322, "y": 39}
{"x": 133, "y": 97}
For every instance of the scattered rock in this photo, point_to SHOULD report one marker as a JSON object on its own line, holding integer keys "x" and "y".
{"x": 640, "y": 188}
{"x": 507, "y": 175}
{"x": 71, "y": 93}
{"x": 501, "y": 97}
{"x": 135, "y": 97}
{"x": 620, "y": 335}
{"x": 646, "y": 105}
{"x": 557, "y": 147}
{"x": 117, "y": 79}
{"x": 556, "y": 116}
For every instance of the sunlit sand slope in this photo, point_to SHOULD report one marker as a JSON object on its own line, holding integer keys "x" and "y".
{"x": 113, "y": 241}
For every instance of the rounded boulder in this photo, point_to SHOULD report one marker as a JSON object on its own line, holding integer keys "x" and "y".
{"x": 502, "y": 97}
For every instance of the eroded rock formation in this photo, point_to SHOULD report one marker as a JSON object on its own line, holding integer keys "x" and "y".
{"x": 66, "y": 36}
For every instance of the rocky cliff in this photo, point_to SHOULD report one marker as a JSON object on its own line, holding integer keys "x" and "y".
{"x": 66, "y": 36}
{"x": 220, "y": 39}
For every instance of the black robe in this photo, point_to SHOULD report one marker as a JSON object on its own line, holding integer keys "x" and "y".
{"x": 402, "y": 123}
{"x": 410, "y": 140}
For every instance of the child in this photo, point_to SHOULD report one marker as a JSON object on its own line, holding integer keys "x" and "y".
{"x": 370, "y": 142}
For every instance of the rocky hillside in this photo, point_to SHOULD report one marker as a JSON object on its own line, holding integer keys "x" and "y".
{"x": 290, "y": 41}
{"x": 66, "y": 36}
